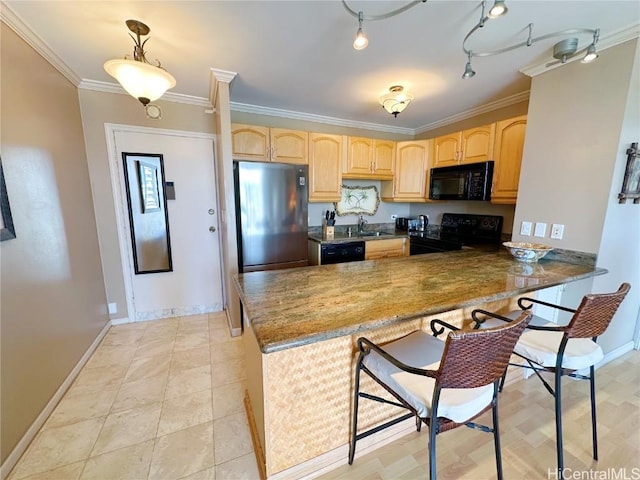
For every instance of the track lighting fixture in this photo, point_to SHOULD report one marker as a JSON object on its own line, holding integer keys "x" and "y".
{"x": 499, "y": 9}
{"x": 468, "y": 70}
{"x": 361, "y": 41}
{"x": 562, "y": 51}
{"x": 396, "y": 100}
{"x": 138, "y": 77}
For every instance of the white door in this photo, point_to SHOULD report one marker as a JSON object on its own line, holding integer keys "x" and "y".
{"x": 195, "y": 284}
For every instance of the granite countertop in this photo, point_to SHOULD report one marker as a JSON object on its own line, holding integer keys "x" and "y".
{"x": 289, "y": 308}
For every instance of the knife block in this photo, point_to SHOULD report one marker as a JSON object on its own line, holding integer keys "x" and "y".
{"x": 328, "y": 232}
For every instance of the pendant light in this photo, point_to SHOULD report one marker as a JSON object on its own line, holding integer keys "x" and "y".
{"x": 138, "y": 77}
{"x": 396, "y": 100}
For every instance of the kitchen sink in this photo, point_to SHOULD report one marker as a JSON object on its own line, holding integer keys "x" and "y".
{"x": 378, "y": 233}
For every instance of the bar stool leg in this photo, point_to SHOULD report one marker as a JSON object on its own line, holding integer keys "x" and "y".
{"x": 594, "y": 431}
{"x": 354, "y": 421}
{"x": 496, "y": 433}
{"x": 558, "y": 402}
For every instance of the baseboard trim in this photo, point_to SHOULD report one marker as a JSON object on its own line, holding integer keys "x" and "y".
{"x": 30, "y": 434}
{"x": 615, "y": 353}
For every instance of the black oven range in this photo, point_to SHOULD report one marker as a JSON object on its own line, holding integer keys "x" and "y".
{"x": 457, "y": 230}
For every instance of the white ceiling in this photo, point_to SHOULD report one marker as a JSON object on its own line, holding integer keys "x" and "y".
{"x": 297, "y": 55}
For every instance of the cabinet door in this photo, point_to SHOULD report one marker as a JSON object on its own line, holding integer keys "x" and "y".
{"x": 359, "y": 161}
{"x": 446, "y": 150}
{"x": 477, "y": 144}
{"x": 325, "y": 162}
{"x": 289, "y": 146}
{"x": 384, "y": 156}
{"x": 411, "y": 169}
{"x": 388, "y": 248}
{"x": 250, "y": 142}
{"x": 508, "y": 158}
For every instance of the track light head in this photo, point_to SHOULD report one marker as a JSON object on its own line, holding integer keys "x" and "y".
{"x": 361, "y": 41}
{"x": 591, "y": 54}
{"x": 468, "y": 69}
{"x": 499, "y": 9}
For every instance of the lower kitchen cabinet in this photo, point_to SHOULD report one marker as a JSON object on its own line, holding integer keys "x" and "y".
{"x": 507, "y": 155}
{"x": 387, "y": 248}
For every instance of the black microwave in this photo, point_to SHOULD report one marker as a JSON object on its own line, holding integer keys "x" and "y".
{"x": 462, "y": 182}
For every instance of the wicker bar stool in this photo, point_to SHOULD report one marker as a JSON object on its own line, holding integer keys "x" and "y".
{"x": 439, "y": 383}
{"x": 563, "y": 350}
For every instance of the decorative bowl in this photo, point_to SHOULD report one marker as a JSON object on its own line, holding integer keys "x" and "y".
{"x": 527, "y": 252}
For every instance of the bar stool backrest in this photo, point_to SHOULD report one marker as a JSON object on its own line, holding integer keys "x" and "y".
{"x": 595, "y": 313}
{"x": 479, "y": 357}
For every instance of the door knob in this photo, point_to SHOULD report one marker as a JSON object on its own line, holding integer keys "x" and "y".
{"x": 212, "y": 229}
{"x": 211, "y": 211}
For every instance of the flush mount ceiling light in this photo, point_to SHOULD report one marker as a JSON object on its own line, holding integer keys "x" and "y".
{"x": 562, "y": 51}
{"x": 138, "y": 77}
{"x": 396, "y": 100}
{"x": 361, "y": 41}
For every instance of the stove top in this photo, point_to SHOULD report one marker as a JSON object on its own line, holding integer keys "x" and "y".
{"x": 458, "y": 229}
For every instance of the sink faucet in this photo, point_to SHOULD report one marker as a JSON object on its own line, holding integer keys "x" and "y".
{"x": 361, "y": 224}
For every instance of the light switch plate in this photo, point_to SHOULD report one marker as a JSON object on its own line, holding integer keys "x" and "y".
{"x": 557, "y": 231}
{"x": 525, "y": 228}
{"x": 540, "y": 230}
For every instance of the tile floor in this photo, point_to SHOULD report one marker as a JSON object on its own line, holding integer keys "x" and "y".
{"x": 162, "y": 400}
{"x": 157, "y": 400}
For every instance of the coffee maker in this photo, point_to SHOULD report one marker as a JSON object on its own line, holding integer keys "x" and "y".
{"x": 423, "y": 221}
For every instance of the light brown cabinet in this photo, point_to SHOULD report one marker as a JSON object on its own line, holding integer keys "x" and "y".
{"x": 411, "y": 173}
{"x": 509, "y": 145}
{"x": 325, "y": 162}
{"x": 387, "y": 248}
{"x": 264, "y": 144}
{"x": 468, "y": 146}
{"x": 369, "y": 158}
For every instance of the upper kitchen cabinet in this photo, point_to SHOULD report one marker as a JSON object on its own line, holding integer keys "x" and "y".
{"x": 264, "y": 144}
{"x": 325, "y": 164}
{"x": 468, "y": 146}
{"x": 508, "y": 149}
{"x": 369, "y": 158}
{"x": 410, "y": 180}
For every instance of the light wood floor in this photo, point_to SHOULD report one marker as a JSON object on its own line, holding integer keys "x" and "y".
{"x": 527, "y": 430}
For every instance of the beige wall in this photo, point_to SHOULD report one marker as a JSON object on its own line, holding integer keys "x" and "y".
{"x": 581, "y": 119}
{"x": 53, "y": 298}
{"x": 99, "y": 108}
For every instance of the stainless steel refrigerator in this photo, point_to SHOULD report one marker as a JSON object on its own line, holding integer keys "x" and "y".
{"x": 271, "y": 215}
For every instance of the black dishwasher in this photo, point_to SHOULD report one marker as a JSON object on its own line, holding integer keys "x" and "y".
{"x": 341, "y": 252}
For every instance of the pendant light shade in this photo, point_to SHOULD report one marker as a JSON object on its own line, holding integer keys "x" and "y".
{"x": 137, "y": 76}
{"x": 141, "y": 80}
{"x": 396, "y": 100}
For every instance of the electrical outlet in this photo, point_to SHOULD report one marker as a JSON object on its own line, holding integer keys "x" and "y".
{"x": 525, "y": 229}
{"x": 540, "y": 230}
{"x": 557, "y": 231}
{"x": 113, "y": 308}
{"x": 394, "y": 216}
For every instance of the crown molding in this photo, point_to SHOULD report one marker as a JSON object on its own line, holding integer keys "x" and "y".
{"x": 13, "y": 21}
{"x": 616, "y": 38}
{"x": 487, "y": 107}
{"x": 310, "y": 117}
{"x": 218, "y": 76}
{"x": 108, "y": 87}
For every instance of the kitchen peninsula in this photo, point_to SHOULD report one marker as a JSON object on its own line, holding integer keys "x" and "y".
{"x": 301, "y": 326}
